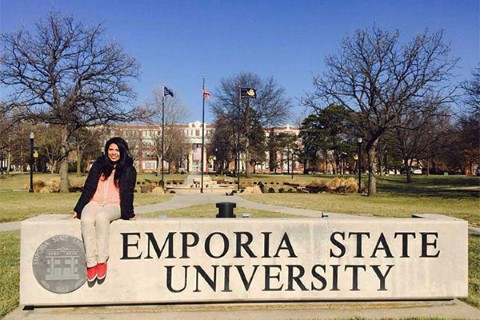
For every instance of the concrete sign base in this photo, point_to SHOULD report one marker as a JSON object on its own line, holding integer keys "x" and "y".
{"x": 221, "y": 260}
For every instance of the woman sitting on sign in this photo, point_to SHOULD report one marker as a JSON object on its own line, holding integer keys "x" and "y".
{"x": 107, "y": 196}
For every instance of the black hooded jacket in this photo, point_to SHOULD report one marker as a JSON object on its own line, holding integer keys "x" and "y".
{"x": 126, "y": 185}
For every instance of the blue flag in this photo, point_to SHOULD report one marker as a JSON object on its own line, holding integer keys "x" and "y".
{"x": 167, "y": 92}
{"x": 248, "y": 92}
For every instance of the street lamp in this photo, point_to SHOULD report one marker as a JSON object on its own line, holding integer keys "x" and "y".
{"x": 215, "y": 164}
{"x": 386, "y": 163}
{"x": 1, "y": 162}
{"x": 32, "y": 137}
{"x": 292, "y": 155}
{"x": 359, "y": 142}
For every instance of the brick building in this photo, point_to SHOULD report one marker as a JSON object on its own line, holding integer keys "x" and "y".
{"x": 144, "y": 140}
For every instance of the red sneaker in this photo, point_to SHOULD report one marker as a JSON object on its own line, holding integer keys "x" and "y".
{"x": 101, "y": 270}
{"x": 91, "y": 274}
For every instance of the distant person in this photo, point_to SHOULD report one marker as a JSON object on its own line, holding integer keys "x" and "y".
{"x": 107, "y": 196}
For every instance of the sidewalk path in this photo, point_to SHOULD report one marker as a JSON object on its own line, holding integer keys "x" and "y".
{"x": 192, "y": 199}
{"x": 452, "y": 309}
{"x": 10, "y": 226}
{"x": 187, "y": 200}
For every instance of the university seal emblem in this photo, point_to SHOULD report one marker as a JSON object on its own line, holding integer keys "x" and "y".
{"x": 59, "y": 264}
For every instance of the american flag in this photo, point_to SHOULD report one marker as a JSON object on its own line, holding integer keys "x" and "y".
{"x": 206, "y": 94}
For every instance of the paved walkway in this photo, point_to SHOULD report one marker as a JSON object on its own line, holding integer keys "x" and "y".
{"x": 191, "y": 199}
{"x": 452, "y": 309}
{"x": 186, "y": 200}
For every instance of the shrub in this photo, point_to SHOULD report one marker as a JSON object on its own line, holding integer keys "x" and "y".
{"x": 343, "y": 185}
{"x": 54, "y": 184}
{"x": 252, "y": 190}
{"x": 76, "y": 186}
{"x": 147, "y": 187}
{"x": 261, "y": 186}
{"x": 158, "y": 190}
{"x": 318, "y": 183}
{"x": 246, "y": 184}
{"x": 45, "y": 189}
{"x": 336, "y": 183}
{"x": 351, "y": 185}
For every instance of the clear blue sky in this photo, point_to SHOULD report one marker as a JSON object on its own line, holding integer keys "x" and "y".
{"x": 179, "y": 42}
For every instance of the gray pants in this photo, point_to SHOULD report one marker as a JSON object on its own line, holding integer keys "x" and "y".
{"x": 95, "y": 223}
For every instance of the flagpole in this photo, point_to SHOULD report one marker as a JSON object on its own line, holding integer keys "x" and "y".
{"x": 238, "y": 136}
{"x": 203, "y": 134}
{"x": 162, "y": 181}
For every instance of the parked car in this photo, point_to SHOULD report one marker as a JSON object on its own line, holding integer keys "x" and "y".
{"x": 416, "y": 170}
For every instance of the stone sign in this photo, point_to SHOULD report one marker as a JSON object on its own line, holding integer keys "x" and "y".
{"x": 218, "y": 260}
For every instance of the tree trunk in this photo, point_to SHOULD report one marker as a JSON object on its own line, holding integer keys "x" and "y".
{"x": 381, "y": 165}
{"x": 9, "y": 161}
{"x": 54, "y": 167}
{"x": 79, "y": 161}
{"x": 157, "y": 171}
{"x": 64, "y": 175}
{"x": 372, "y": 167}
{"x": 247, "y": 155}
{"x": 428, "y": 166}
{"x": 64, "y": 185}
{"x": 408, "y": 172}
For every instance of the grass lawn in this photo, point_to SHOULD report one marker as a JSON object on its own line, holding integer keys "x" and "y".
{"x": 456, "y": 196}
{"x": 382, "y": 205}
{"x": 18, "y": 204}
{"x": 473, "y": 271}
{"x": 9, "y": 271}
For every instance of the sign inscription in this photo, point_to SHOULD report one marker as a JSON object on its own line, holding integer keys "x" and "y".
{"x": 350, "y": 250}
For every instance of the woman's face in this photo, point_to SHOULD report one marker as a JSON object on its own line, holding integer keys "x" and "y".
{"x": 113, "y": 152}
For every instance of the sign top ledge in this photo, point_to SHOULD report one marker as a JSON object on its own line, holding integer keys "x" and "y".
{"x": 437, "y": 218}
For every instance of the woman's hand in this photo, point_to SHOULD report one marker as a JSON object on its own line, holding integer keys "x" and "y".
{"x": 74, "y": 215}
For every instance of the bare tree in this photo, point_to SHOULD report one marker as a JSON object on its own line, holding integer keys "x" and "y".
{"x": 420, "y": 138}
{"x": 6, "y": 126}
{"x": 175, "y": 143}
{"x": 222, "y": 145}
{"x": 472, "y": 91}
{"x": 14, "y": 143}
{"x": 382, "y": 79}
{"x": 88, "y": 145}
{"x": 270, "y": 107}
{"x": 67, "y": 75}
{"x": 468, "y": 125}
{"x": 49, "y": 142}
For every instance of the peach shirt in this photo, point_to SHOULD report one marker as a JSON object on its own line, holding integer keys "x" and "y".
{"x": 107, "y": 192}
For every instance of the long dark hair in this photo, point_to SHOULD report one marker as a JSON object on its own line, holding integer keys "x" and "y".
{"x": 120, "y": 165}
